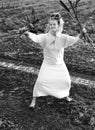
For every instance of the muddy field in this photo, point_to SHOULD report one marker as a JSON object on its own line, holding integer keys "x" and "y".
{"x": 49, "y": 113}
{"x": 16, "y": 86}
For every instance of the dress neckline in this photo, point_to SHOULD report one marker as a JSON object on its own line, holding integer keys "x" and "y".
{"x": 57, "y": 35}
{"x": 53, "y": 38}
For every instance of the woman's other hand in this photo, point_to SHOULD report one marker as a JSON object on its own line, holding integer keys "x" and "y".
{"x": 84, "y": 30}
{"x": 26, "y": 33}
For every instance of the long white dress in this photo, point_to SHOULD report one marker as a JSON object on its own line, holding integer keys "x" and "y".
{"x": 53, "y": 78}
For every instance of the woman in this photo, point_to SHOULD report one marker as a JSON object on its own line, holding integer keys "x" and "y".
{"x": 53, "y": 78}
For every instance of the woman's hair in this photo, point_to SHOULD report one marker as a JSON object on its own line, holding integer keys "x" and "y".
{"x": 56, "y": 16}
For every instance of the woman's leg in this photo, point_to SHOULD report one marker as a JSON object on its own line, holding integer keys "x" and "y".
{"x": 33, "y": 103}
{"x": 68, "y": 99}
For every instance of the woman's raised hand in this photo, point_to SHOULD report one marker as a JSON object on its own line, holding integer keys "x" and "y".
{"x": 84, "y": 30}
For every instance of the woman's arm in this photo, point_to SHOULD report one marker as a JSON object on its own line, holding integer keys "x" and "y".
{"x": 70, "y": 40}
{"x": 40, "y": 38}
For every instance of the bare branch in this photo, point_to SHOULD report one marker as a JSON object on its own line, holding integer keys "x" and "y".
{"x": 81, "y": 25}
{"x": 68, "y": 10}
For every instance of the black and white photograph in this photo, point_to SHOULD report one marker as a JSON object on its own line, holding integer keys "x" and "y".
{"x": 47, "y": 64}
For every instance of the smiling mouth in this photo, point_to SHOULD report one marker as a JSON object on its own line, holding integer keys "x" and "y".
{"x": 53, "y": 28}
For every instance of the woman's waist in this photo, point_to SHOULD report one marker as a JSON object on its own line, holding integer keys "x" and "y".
{"x": 53, "y": 61}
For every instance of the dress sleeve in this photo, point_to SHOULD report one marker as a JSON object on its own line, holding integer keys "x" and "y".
{"x": 40, "y": 38}
{"x": 69, "y": 40}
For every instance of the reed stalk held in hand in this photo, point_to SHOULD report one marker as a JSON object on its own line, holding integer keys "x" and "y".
{"x": 75, "y": 17}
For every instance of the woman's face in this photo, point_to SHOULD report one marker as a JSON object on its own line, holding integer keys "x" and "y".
{"x": 53, "y": 24}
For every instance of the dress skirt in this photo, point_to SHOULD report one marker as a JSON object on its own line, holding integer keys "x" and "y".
{"x": 53, "y": 80}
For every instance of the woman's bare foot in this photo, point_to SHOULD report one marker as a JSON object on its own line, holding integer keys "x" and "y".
{"x": 68, "y": 99}
{"x": 33, "y": 103}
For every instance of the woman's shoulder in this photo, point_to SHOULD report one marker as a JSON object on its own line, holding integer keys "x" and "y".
{"x": 63, "y": 36}
{"x": 44, "y": 34}
{"x": 47, "y": 34}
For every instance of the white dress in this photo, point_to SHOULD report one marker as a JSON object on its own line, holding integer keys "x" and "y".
{"x": 53, "y": 78}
